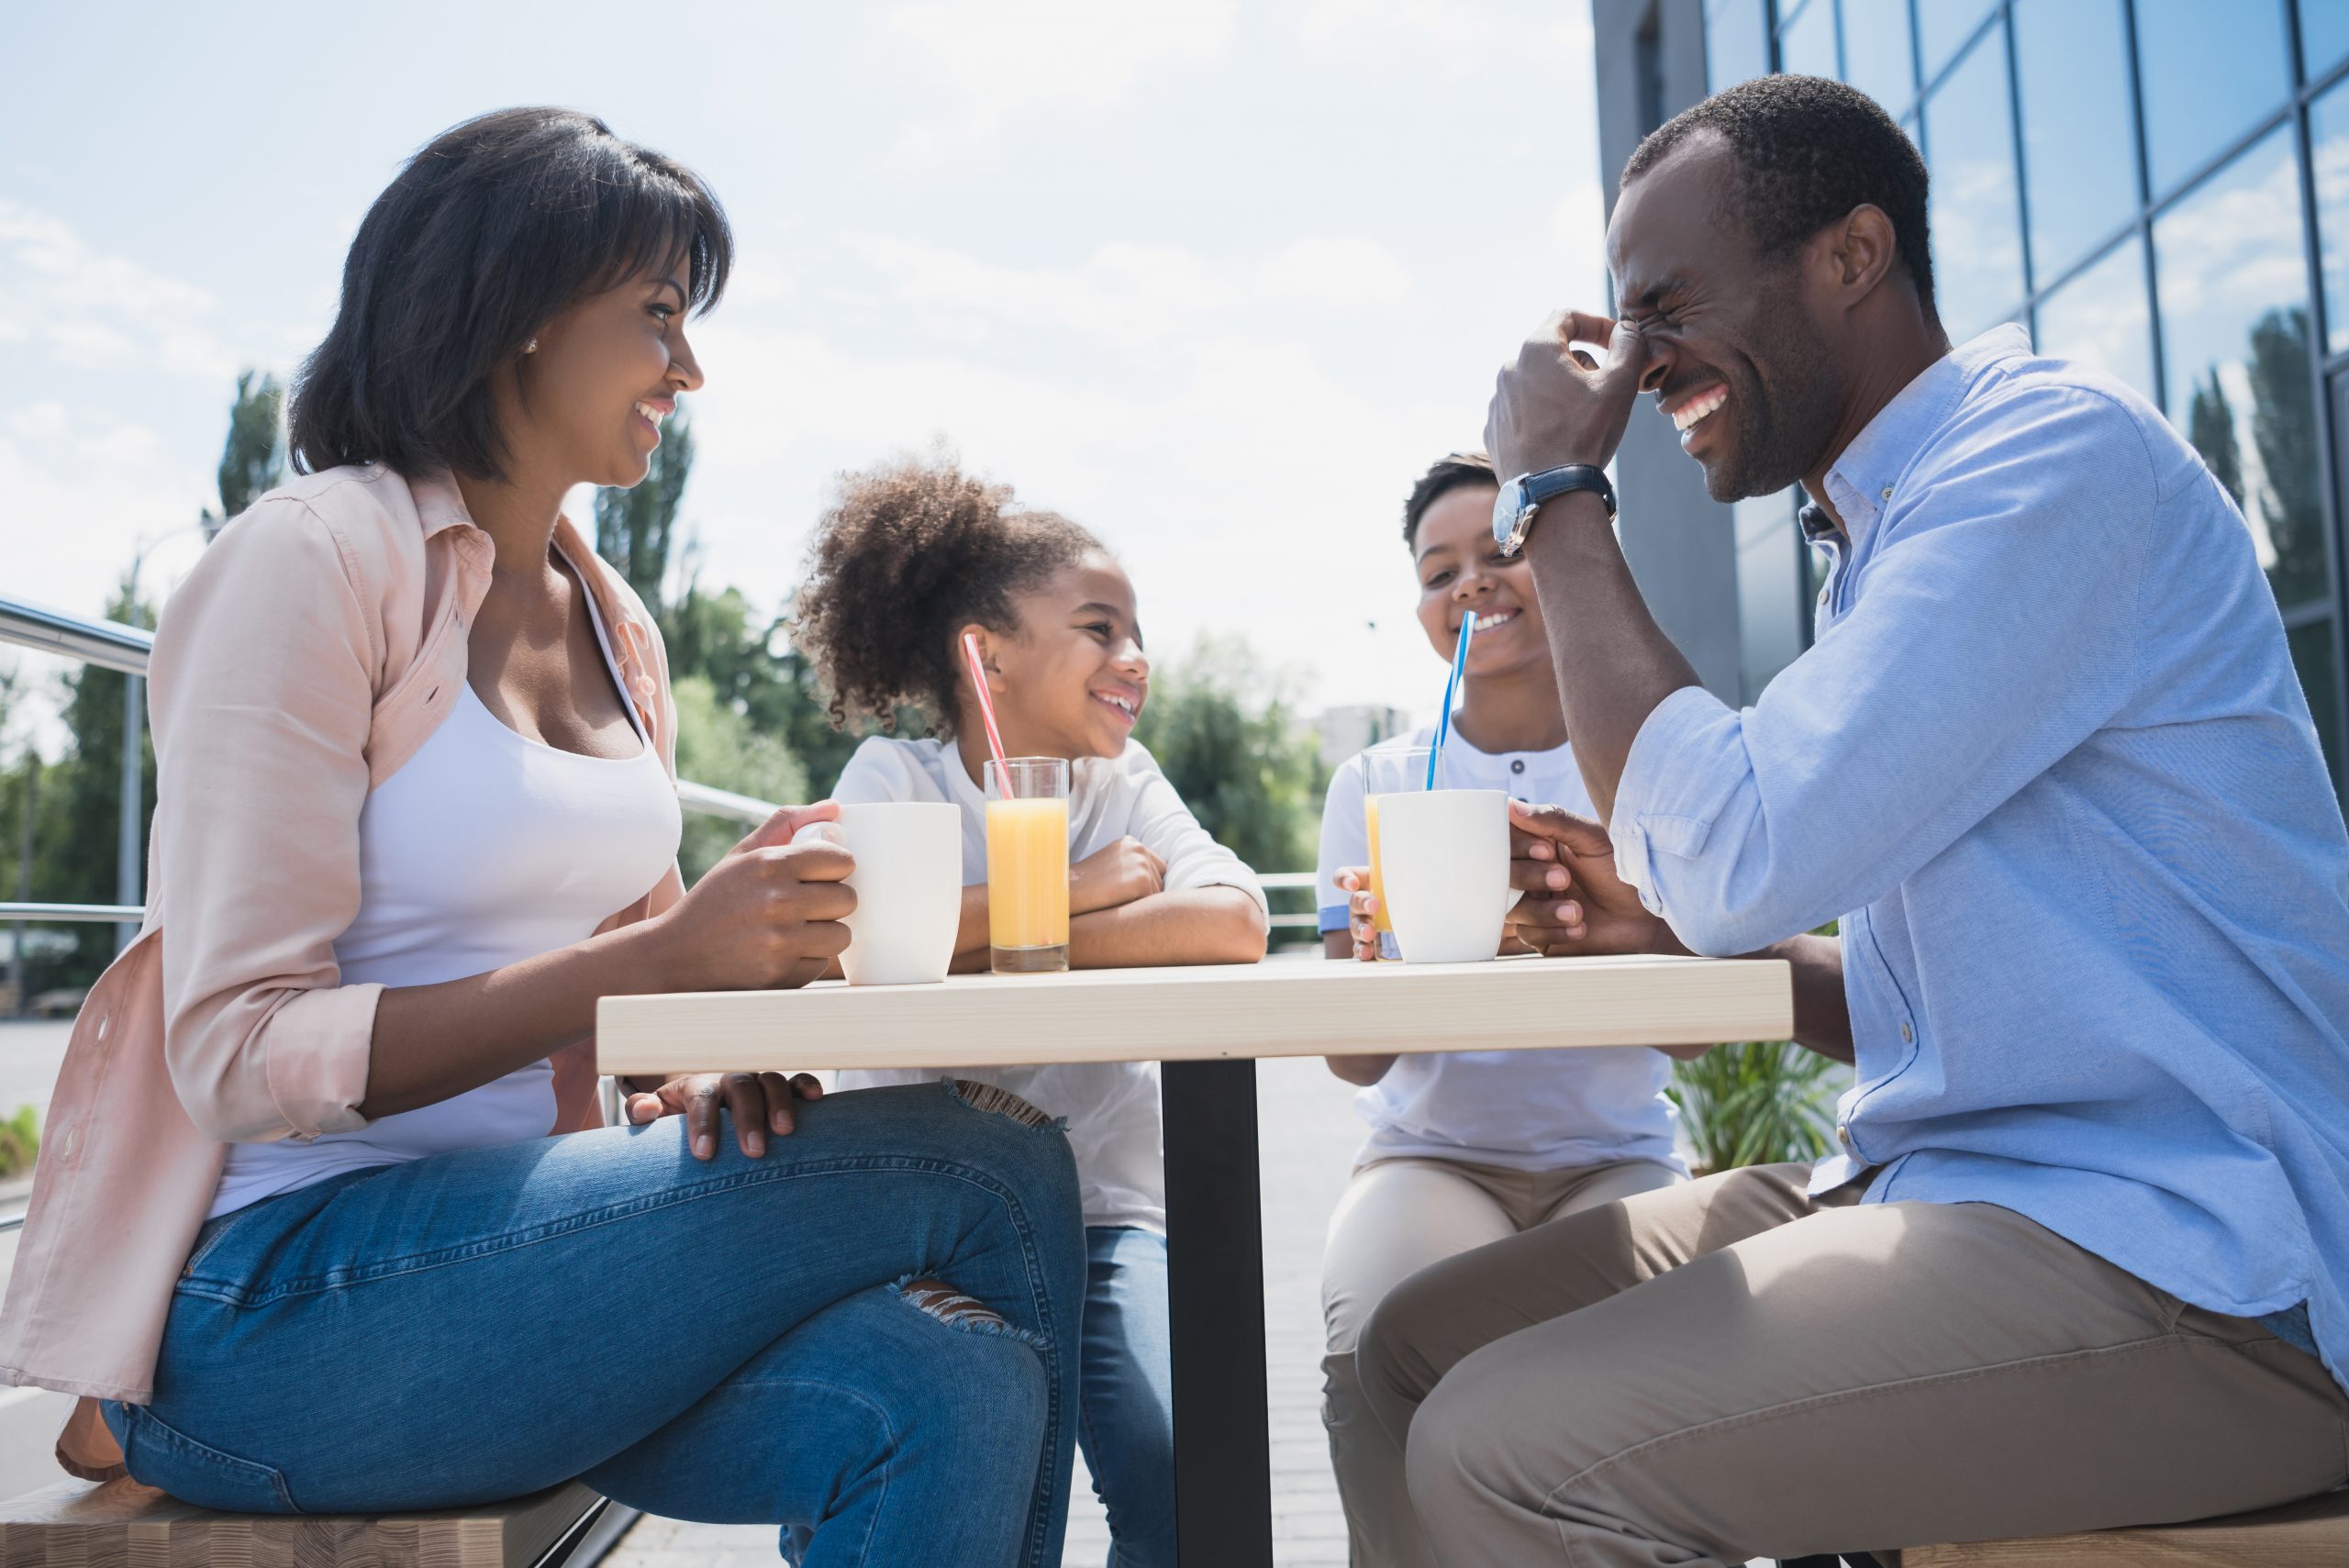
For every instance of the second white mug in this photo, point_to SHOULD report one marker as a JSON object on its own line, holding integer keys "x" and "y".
{"x": 1443, "y": 863}
{"x": 909, "y": 885}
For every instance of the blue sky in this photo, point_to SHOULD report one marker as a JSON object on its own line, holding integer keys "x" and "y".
{"x": 1215, "y": 280}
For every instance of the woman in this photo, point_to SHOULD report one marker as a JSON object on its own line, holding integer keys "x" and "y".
{"x": 299, "y": 1230}
{"x": 1465, "y": 1147}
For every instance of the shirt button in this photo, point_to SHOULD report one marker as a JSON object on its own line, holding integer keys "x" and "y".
{"x": 1886, "y": 493}
{"x": 1843, "y": 1137}
{"x": 1908, "y": 1035}
{"x": 1517, "y": 764}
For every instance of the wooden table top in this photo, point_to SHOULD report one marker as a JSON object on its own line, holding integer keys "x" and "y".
{"x": 1283, "y": 1007}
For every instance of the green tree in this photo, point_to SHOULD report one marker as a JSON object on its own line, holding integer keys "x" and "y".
{"x": 2211, "y": 427}
{"x": 253, "y": 458}
{"x": 1226, "y": 731}
{"x": 717, "y": 745}
{"x": 2283, "y": 428}
{"x": 88, "y": 784}
{"x": 635, "y": 528}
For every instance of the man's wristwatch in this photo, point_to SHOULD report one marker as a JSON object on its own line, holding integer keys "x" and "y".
{"x": 1522, "y": 496}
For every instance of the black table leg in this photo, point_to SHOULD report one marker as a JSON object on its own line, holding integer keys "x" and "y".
{"x": 1215, "y": 1241}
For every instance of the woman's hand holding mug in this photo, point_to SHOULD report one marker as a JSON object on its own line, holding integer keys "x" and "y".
{"x": 767, "y": 914}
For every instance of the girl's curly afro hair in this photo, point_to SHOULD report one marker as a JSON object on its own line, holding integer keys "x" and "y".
{"x": 909, "y": 553}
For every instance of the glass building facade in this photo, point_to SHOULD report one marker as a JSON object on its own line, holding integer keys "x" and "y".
{"x": 2159, "y": 187}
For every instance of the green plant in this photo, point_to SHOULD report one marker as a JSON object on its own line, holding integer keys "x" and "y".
{"x": 20, "y": 1142}
{"x": 1755, "y": 1104}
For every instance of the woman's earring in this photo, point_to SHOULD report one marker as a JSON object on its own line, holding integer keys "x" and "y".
{"x": 531, "y": 347}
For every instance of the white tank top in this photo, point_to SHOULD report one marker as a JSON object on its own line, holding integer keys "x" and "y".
{"x": 485, "y": 848}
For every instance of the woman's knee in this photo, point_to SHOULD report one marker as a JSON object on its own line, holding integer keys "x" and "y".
{"x": 986, "y": 1392}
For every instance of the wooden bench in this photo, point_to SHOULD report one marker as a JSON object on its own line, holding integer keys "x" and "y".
{"x": 2311, "y": 1534}
{"x": 79, "y": 1524}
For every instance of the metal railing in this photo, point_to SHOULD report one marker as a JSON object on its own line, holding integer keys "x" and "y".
{"x": 113, "y": 646}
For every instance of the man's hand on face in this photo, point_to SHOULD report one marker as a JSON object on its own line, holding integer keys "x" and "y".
{"x": 1575, "y": 902}
{"x": 1558, "y": 404}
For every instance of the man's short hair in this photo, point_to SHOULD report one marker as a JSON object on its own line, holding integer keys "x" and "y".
{"x": 1453, "y": 471}
{"x": 1808, "y": 150}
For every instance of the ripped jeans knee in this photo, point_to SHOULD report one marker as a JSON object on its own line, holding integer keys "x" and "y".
{"x": 982, "y": 1097}
{"x": 950, "y": 1306}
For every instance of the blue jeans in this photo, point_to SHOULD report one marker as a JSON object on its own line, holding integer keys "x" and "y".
{"x": 720, "y": 1341}
{"x": 1126, "y": 1412}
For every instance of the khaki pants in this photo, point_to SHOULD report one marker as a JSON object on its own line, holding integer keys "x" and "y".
{"x": 1398, "y": 1216}
{"x": 1731, "y": 1369}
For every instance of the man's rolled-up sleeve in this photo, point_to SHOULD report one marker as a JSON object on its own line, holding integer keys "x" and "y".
{"x": 1995, "y": 629}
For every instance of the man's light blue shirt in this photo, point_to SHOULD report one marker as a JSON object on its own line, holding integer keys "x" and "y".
{"x": 2049, "y": 762}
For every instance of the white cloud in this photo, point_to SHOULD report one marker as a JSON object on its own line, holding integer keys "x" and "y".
{"x": 999, "y": 60}
{"x": 1336, "y": 273}
{"x": 1331, "y": 21}
{"x": 97, "y": 308}
{"x": 1578, "y": 236}
{"x": 1126, "y": 295}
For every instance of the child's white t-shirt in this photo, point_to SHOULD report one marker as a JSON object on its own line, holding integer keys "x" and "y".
{"x": 1526, "y": 1110}
{"x": 1112, "y": 1107}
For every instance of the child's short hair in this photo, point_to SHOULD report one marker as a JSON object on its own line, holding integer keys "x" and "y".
{"x": 1449, "y": 473}
{"x": 908, "y": 552}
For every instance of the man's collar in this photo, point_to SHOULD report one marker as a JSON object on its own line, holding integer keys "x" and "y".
{"x": 1861, "y": 480}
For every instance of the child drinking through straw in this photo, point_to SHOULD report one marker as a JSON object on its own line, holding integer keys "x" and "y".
{"x": 912, "y": 557}
{"x": 1467, "y": 1147}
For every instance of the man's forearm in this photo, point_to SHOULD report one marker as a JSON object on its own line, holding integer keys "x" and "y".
{"x": 1822, "y": 1016}
{"x": 1614, "y": 662}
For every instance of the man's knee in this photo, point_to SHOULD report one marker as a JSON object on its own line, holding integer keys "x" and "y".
{"x": 1392, "y": 1364}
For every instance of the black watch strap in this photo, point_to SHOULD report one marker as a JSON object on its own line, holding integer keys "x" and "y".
{"x": 1552, "y": 482}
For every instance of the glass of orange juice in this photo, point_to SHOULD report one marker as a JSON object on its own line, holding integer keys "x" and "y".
{"x": 1388, "y": 769}
{"x": 1028, "y": 865}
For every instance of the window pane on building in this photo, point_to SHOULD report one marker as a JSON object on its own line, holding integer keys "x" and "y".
{"x": 2232, "y": 278}
{"x": 2312, "y": 657}
{"x": 1875, "y": 52}
{"x": 2079, "y": 140}
{"x": 2210, "y": 75}
{"x": 1977, "y": 230}
{"x": 1807, "y": 44}
{"x": 1943, "y": 27}
{"x": 2329, "y": 147}
{"x": 2324, "y": 35}
{"x": 2100, "y": 319}
{"x": 1737, "y": 42}
{"x": 1771, "y": 597}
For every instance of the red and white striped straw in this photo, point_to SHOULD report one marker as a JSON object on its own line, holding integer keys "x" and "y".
{"x": 986, "y": 712}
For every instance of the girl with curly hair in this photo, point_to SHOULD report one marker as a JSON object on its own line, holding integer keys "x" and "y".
{"x": 912, "y": 556}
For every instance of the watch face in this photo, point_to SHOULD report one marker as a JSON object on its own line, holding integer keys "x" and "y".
{"x": 1507, "y": 507}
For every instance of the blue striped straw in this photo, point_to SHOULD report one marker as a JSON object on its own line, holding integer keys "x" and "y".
{"x": 1451, "y": 685}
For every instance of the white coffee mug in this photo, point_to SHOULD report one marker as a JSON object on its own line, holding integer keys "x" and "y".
{"x": 1443, "y": 863}
{"x": 909, "y": 885}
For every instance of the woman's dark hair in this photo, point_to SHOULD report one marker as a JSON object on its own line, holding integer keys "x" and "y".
{"x": 1452, "y": 472}
{"x": 483, "y": 237}
{"x": 909, "y": 555}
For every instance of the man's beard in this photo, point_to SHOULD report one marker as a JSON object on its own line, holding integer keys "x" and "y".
{"x": 1786, "y": 415}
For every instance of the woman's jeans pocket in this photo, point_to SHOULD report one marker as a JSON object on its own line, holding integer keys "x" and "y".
{"x": 160, "y": 1456}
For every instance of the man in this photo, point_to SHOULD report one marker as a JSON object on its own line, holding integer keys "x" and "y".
{"x": 2079, "y": 1261}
